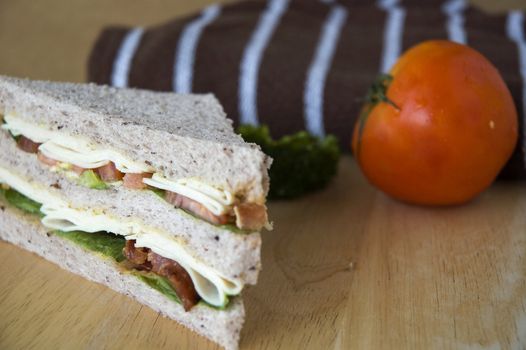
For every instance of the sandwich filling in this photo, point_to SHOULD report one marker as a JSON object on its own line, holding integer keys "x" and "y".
{"x": 97, "y": 167}
{"x": 147, "y": 248}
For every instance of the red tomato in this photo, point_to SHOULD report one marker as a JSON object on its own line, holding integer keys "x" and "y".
{"x": 439, "y": 129}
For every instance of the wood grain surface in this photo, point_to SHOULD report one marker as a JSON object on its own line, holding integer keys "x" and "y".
{"x": 345, "y": 268}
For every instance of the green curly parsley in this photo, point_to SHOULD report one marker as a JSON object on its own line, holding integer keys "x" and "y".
{"x": 302, "y": 163}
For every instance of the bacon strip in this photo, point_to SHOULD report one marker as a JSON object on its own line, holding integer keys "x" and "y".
{"x": 145, "y": 259}
{"x": 77, "y": 169}
{"x": 250, "y": 216}
{"x": 183, "y": 202}
{"x": 138, "y": 256}
{"x": 46, "y": 160}
{"x": 134, "y": 181}
{"x": 109, "y": 173}
{"x": 178, "y": 277}
{"x": 27, "y": 145}
{"x": 52, "y": 162}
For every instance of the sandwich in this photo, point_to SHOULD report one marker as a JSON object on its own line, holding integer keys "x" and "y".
{"x": 149, "y": 193}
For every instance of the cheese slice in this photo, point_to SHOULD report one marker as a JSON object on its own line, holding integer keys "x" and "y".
{"x": 81, "y": 152}
{"x": 218, "y": 202}
{"x": 211, "y": 285}
{"x": 68, "y": 149}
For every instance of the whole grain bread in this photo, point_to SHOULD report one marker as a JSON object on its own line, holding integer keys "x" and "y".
{"x": 234, "y": 255}
{"x": 24, "y": 230}
{"x": 179, "y": 135}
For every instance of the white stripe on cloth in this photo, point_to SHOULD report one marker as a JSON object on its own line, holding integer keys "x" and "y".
{"x": 394, "y": 26}
{"x": 185, "y": 55}
{"x": 455, "y": 20}
{"x": 251, "y": 60}
{"x": 124, "y": 57}
{"x": 515, "y": 31}
{"x": 317, "y": 73}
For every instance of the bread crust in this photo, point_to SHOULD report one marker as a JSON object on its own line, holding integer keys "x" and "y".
{"x": 25, "y": 231}
{"x": 179, "y": 135}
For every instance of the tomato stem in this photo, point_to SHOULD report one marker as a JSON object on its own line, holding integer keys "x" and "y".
{"x": 377, "y": 94}
{"x": 378, "y": 91}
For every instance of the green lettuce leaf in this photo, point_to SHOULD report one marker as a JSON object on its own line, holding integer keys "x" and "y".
{"x": 158, "y": 192}
{"x": 222, "y": 307}
{"x": 16, "y": 138}
{"x": 22, "y": 202}
{"x": 105, "y": 243}
{"x": 91, "y": 180}
{"x": 158, "y": 283}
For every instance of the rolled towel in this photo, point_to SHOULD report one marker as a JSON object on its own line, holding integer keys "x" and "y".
{"x": 304, "y": 64}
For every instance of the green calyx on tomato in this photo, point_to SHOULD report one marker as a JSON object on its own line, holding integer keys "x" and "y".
{"x": 376, "y": 94}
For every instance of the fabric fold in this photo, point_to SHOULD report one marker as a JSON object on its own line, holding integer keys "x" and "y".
{"x": 279, "y": 94}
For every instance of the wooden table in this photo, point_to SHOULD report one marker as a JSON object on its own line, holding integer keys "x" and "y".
{"x": 345, "y": 268}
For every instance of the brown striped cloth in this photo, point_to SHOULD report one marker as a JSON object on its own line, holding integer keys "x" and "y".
{"x": 304, "y": 64}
